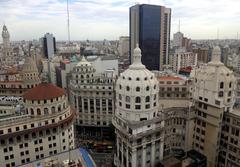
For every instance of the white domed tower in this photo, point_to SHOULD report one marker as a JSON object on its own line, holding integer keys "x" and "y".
{"x": 213, "y": 95}
{"x": 138, "y": 126}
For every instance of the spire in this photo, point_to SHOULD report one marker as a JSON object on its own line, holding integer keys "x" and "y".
{"x": 137, "y": 55}
{"x": 5, "y": 33}
{"x": 179, "y": 26}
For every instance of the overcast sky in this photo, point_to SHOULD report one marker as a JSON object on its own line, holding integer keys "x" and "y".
{"x": 108, "y": 19}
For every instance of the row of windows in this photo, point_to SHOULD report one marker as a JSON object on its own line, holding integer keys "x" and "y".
{"x": 138, "y": 107}
{"x": 138, "y": 79}
{"x": 46, "y": 122}
{"x": 137, "y": 99}
{"x": 137, "y": 88}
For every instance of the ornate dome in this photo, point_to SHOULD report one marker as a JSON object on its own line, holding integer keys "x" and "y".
{"x": 84, "y": 62}
{"x": 44, "y": 91}
{"x": 214, "y": 80}
{"x": 137, "y": 91}
{"x": 83, "y": 72}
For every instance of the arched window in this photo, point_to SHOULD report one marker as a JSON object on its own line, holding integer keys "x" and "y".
{"x": 138, "y": 100}
{"x": 155, "y": 87}
{"x": 59, "y": 108}
{"x": 32, "y": 112}
{"x": 127, "y": 88}
{"x": 53, "y": 110}
{"x": 230, "y": 84}
{"x": 46, "y": 111}
{"x": 120, "y": 97}
{"x": 82, "y": 76}
{"x": 127, "y": 99}
{"x": 221, "y": 85}
{"x": 120, "y": 86}
{"x": 138, "y": 89}
{"x": 147, "y": 88}
{"x": 64, "y": 105}
{"x": 147, "y": 99}
{"x": 38, "y": 111}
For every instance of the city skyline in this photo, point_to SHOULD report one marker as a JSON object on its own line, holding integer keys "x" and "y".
{"x": 109, "y": 19}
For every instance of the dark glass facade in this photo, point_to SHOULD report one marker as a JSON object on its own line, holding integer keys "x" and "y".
{"x": 147, "y": 21}
{"x": 149, "y": 35}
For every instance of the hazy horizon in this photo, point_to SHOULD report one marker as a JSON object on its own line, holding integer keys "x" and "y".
{"x": 108, "y": 19}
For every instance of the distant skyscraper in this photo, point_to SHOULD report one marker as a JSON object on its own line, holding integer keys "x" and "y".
{"x": 150, "y": 27}
{"x": 49, "y": 45}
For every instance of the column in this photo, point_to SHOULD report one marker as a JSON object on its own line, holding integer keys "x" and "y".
{"x": 144, "y": 156}
{"x": 153, "y": 152}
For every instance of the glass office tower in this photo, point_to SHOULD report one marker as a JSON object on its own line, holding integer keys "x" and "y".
{"x": 150, "y": 28}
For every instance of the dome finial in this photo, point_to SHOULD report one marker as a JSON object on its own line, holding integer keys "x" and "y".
{"x": 137, "y": 55}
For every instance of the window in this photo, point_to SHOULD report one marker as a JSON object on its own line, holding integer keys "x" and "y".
{"x": 221, "y": 85}
{"x": 137, "y": 107}
{"x": 230, "y": 84}
{"x": 220, "y": 94}
{"x": 138, "y": 89}
{"x": 138, "y": 79}
{"x": 138, "y": 100}
{"x": 127, "y": 88}
{"x": 127, "y": 99}
{"x": 128, "y": 106}
{"x": 148, "y": 99}
{"x": 147, "y": 88}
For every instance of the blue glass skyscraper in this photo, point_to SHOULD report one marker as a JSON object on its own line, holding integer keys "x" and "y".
{"x": 150, "y": 28}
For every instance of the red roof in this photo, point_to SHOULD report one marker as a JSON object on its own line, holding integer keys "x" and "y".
{"x": 44, "y": 91}
{"x": 186, "y": 69}
{"x": 172, "y": 78}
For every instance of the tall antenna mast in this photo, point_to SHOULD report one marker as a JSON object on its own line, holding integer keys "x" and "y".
{"x": 178, "y": 25}
{"x": 68, "y": 24}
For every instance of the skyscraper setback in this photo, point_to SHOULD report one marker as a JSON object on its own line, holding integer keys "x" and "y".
{"x": 150, "y": 28}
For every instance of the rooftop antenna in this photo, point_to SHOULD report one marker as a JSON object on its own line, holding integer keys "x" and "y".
{"x": 178, "y": 25}
{"x": 68, "y": 24}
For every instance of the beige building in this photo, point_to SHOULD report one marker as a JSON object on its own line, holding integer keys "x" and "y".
{"x": 213, "y": 95}
{"x": 16, "y": 81}
{"x": 43, "y": 128}
{"x": 92, "y": 95}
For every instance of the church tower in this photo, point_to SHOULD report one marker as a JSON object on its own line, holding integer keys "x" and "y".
{"x": 6, "y": 56}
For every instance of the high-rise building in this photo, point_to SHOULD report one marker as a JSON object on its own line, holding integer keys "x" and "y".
{"x": 177, "y": 39}
{"x": 123, "y": 47}
{"x": 138, "y": 126}
{"x": 150, "y": 28}
{"x": 49, "y": 45}
{"x": 183, "y": 59}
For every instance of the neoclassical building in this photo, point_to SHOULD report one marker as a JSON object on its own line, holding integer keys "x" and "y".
{"x": 92, "y": 95}
{"x": 44, "y": 127}
{"x": 16, "y": 81}
{"x": 213, "y": 98}
{"x": 138, "y": 125}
